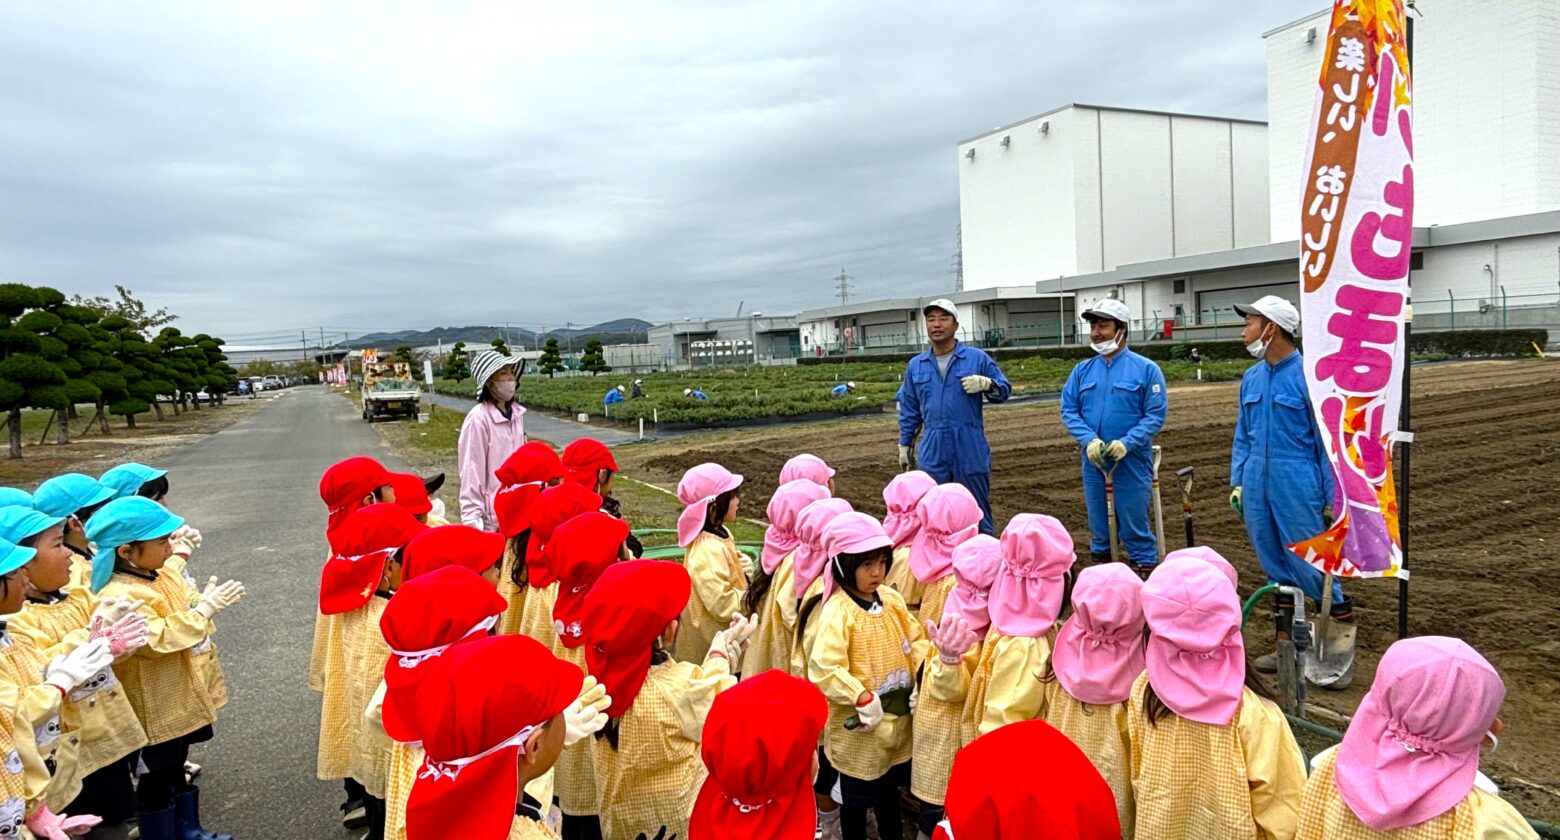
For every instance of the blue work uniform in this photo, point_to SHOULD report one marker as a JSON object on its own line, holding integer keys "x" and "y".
{"x": 613, "y": 397}
{"x": 698, "y": 395}
{"x": 953, "y": 432}
{"x": 1279, "y": 462}
{"x": 1121, "y": 398}
{"x": 839, "y": 391}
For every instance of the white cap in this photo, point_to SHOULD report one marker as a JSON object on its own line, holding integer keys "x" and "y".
{"x": 1110, "y": 308}
{"x": 945, "y": 305}
{"x": 687, "y": 391}
{"x": 620, "y": 389}
{"x": 850, "y": 384}
{"x": 638, "y": 381}
{"x": 1275, "y": 309}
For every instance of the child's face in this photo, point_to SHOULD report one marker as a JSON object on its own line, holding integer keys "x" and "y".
{"x": 390, "y": 580}
{"x": 386, "y": 494}
{"x": 149, "y": 555}
{"x": 50, "y": 570}
{"x": 14, "y": 592}
{"x": 606, "y": 483}
{"x": 870, "y": 574}
{"x": 491, "y": 573}
{"x": 731, "y": 512}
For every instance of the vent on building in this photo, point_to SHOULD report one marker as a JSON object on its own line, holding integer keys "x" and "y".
{"x": 1180, "y": 286}
{"x": 1007, "y": 140}
{"x": 970, "y": 154}
{"x": 1310, "y": 35}
{"x": 1416, "y": 261}
{"x": 1045, "y": 127}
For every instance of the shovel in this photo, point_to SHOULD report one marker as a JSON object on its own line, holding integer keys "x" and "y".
{"x": 1331, "y": 658}
{"x": 1159, "y": 507}
{"x": 1110, "y": 510}
{"x": 1185, "y": 476}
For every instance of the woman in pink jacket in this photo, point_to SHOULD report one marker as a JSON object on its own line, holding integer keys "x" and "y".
{"x": 492, "y": 431}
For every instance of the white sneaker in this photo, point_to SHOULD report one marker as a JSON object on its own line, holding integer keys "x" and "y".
{"x": 829, "y": 825}
{"x": 355, "y": 818}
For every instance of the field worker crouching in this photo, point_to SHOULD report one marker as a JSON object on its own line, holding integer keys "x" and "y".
{"x": 694, "y": 393}
{"x": 941, "y": 400}
{"x": 613, "y": 396}
{"x": 844, "y": 389}
{"x": 1280, "y": 473}
{"x": 1113, "y": 405}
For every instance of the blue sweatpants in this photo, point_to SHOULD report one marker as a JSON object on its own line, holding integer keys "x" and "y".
{"x": 1134, "y": 486}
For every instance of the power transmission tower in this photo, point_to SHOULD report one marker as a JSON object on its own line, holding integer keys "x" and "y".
{"x": 844, "y": 286}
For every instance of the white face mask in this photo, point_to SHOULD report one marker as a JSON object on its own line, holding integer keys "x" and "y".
{"x": 505, "y": 391}
{"x": 1259, "y": 347}
{"x": 1105, "y": 348}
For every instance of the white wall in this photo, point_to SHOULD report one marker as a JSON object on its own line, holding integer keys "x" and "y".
{"x": 1015, "y": 204}
{"x": 1487, "y": 111}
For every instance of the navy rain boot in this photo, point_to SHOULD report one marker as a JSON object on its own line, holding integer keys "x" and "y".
{"x": 186, "y": 806}
{"x": 157, "y": 825}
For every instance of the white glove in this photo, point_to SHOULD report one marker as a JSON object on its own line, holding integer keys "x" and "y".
{"x": 111, "y": 609}
{"x": 976, "y": 384}
{"x": 70, "y": 670}
{"x": 871, "y": 714}
{"x": 953, "y": 638}
{"x": 915, "y": 697}
{"x": 1116, "y": 450}
{"x": 587, "y": 714}
{"x": 904, "y": 457}
{"x": 217, "y": 598}
{"x": 734, "y": 639}
{"x": 1096, "y": 453}
{"x": 185, "y": 541}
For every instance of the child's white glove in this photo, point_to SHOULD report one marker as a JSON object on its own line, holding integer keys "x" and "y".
{"x": 70, "y": 670}
{"x": 112, "y": 609}
{"x": 734, "y": 639}
{"x": 952, "y": 638}
{"x": 587, "y": 714}
{"x": 218, "y": 597}
{"x": 870, "y": 714}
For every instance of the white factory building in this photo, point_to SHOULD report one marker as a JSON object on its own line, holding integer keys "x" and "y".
{"x": 1183, "y": 215}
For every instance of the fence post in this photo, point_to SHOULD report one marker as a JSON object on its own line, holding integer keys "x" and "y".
{"x": 1503, "y": 306}
{"x": 655, "y": 416}
{"x": 1452, "y": 309}
{"x": 641, "y": 428}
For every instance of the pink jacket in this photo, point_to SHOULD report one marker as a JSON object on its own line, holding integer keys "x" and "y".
{"x": 487, "y": 437}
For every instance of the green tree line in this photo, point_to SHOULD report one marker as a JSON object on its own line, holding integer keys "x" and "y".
{"x": 57, "y": 353}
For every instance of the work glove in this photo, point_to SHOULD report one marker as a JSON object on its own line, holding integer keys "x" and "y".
{"x": 51, "y": 826}
{"x": 587, "y": 714}
{"x": 185, "y": 540}
{"x": 976, "y": 384}
{"x": 733, "y": 640}
{"x": 1096, "y": 453}
{"x": 70, "y": 670}
{"x": 915, "y": 697}
{"x": 218, "y": 597}
{"x": 122, "y": 636}
{"x": 953, "y": 638}
{"x": 112, "y": 609}
{"x": 1115, "y": 450}
{"x": 870, "y": 714}
{"x": 1236, "y": 503}
{"x": 904, "y": 457}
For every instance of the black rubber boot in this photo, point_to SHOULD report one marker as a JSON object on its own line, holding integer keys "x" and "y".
{"x": 1283, "y": 624}
{"x": 186, "y": 807}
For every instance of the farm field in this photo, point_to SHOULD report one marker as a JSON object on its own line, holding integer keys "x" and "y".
{"x": 1485, "y": 519}
{"x": 737, "y": 395}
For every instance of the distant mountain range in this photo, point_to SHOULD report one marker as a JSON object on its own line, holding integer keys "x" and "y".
{"x": 621, "y": 331}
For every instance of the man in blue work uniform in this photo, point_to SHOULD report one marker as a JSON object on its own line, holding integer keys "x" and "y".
{"x": 1113, "y": 405}
{"x": 941, "y": 399}
{"x": 613, "y": 396}
{"x": 843, "y": 389}
{"x": 1279, "y": 470}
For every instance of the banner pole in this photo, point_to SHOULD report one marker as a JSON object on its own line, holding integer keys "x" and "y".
{"x": 1403, "y": 413}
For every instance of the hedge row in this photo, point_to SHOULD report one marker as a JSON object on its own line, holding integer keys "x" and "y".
{"x": 1454, "y": 343}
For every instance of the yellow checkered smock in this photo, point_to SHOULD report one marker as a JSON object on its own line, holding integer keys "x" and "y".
{"x": 339, "y": 721}
{"x": 937, "y": 733}
{"x": 1481, "y": 815}
{"x": 902, "y": 580}
{"x": 573, "y": 778}
{"x": 719, "y": 580}
{"x": 405, "y": 762}
{"x": 529, "y": 829}
{"x": 803, "y": 648}
{"x": 536, "y": 618}
{"x": 775, "y": 639}
{"x": 366, "y": 654}
{"x": 1101, "y": 732}
{"x": 107, "y": 723}
{"x": 933, "y": 596}
{"x": 163, "y": 680}
{"x": 654, "y": 775}
{"x": 204, "y": 654}
{"x": 47, "y": 749}
{"x": 13, "y": 782}
{"x": 1192, "y": 781}
{"x": 509, "y": 622}
{"x": 859, "y": 650}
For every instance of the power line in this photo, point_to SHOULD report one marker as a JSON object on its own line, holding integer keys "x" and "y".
{"x": 844, "y": 286}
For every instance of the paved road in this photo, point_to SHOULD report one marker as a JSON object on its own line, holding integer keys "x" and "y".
{"x": 252, "y": 489}
{"x": 555, "y": 430}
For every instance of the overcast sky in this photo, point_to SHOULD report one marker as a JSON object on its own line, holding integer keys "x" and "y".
{"x": 261, "y": 168}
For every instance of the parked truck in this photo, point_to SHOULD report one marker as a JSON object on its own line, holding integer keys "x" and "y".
{"x": 389, "y": 390}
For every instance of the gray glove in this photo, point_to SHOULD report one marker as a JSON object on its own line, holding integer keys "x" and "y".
{"x": 217, "y": 598}
{"x": 904, "y": 457}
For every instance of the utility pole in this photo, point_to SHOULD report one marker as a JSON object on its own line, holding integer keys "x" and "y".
{"x": 303, "y": 343}
{"x": 844, "y": 286}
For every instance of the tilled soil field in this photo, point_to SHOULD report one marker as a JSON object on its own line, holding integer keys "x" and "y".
{"x": 1485, "y": 520}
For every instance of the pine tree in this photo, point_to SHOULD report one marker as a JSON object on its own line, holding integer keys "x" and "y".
{"x": 30, "y": 376}
{"x": 404, "y": 354}
{"x": 551, "y": 361}
{"x": 83, "y": 360}
{"x": 594, "y": 359}
{"x": 500, "y": 346}
{"x": 221, "y": 377}
{"x": 457, "y": 364}
{"x": 141, "y": 372}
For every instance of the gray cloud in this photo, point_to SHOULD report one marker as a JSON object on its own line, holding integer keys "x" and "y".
{"x": 261, "y": 168}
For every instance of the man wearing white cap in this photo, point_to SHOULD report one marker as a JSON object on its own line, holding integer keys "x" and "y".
{"x": 1279, "y": 470}
{"x": 1114, "y": 404}
{"x": 941, "y": 400}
